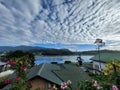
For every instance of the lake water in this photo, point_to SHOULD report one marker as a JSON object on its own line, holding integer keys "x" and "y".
{"x": 59, "y": 59}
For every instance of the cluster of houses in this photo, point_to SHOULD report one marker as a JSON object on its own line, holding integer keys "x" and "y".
{"x": 50, "y": 76}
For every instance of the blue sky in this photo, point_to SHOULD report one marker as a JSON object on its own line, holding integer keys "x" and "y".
{"x": 73, "y": 24}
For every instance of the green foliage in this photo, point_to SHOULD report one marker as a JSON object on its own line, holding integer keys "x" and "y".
{"x": 89, "y": 85}
{"x": 54, "y": 63}
{"x": 106, "y": 86}
{"x": 100, "y": 78}
{"x": 86, "y": 85}
{"x": 113, "y": 72}
{"x": 19, "y": 82}
{"x": 2, "y": 79}
{"x": 67, "y": 62}
{"x": 29, "y": 57}
{"x": 106, "y": 81}
{"x": 56, "y": 52}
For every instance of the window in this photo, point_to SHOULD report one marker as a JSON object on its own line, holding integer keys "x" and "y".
{"x": 49, "y": 85}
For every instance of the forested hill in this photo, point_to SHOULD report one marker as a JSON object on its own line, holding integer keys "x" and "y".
{"x": 96, "y": 52}
{"x": 50, "y": 51}
{"x": 37, "y": 50}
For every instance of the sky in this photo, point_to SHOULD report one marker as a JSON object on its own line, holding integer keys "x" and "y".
{"x": 72, "y": 47}
{"x": 72, "y": 24}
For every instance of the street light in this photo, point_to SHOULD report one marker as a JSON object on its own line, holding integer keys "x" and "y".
{"x": 99, "y": 43}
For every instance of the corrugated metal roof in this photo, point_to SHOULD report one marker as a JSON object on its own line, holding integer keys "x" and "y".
{"x": 106, "y": 57}
{"x": 33, "y": 71}
{"x": 73, "y": 73}
{"x": 58, "y": 73}
{"x": 45, "y": 71}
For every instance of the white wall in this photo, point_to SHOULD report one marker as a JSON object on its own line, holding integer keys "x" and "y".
{"x": 96, "y": 65}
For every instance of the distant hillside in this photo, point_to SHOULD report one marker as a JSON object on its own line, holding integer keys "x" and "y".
{"x": 50, "y": 51}
{"x": 24, "y": 48}
{"x": 37, "y": 50}
{"x": 96, "y": 52}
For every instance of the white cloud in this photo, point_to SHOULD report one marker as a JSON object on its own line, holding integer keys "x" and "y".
{"x": 55, "y": 21}
{"x": 113, "y": 48}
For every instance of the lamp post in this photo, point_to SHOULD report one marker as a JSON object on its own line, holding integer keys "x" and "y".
{"x": 99, "y": 43}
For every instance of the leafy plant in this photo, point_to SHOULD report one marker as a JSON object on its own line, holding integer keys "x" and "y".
{"x": 19, "y": 82}
{"x": 86, "y": 85}
{"x": 113, "y": 72}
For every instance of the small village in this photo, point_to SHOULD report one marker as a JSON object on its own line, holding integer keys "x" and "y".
{"x": 59, "y": 44}
{"x": 98, "y": 74}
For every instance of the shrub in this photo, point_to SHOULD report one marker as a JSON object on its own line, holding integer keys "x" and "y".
{"x": 67, "y": 62}
{"x": 54, "y": 63}
{"x": 86, "y": 85}
{"x": 19, "y": 82}
{"x": 2, "y": 79}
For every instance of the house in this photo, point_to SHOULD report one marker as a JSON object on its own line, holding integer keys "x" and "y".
{"x": 49, "y": 76}
{"x": 99, "y": 63}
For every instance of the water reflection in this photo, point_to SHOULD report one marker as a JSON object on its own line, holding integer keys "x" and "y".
{"x": 59, "y": 59}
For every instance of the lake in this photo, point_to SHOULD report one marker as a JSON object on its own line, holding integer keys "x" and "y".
{"x": 59, "y": 59}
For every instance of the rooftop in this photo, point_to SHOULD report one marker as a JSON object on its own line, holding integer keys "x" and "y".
{"x": 59, "y": 73}
{"x": 106, "y": 57}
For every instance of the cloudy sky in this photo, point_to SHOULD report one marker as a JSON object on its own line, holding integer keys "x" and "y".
{"x": 60, "y": 23}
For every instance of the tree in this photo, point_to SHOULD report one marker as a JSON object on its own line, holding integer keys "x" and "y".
{"x": 29, "y": 57}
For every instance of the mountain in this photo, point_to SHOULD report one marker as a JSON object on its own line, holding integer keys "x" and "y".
{"x": 50, "y": 51}
{"x": 11, "y": 48}
{"x": 93, "y": 52}
{"x": 37, "y": 50}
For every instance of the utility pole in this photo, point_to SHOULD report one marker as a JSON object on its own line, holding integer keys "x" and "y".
{"x": 99, "y": 43}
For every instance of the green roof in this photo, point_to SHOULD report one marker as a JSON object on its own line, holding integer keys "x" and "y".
{"x": 106, "y": 57}
{"x": 59, "y": 73}
{"x": 73, "y": 73}
{"x": 45, "y": 71}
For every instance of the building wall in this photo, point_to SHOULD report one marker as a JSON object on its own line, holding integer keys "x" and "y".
{"x": 42, "y": 84}
{"x": 96, "y": 65}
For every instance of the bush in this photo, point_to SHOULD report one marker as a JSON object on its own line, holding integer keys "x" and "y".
{"x": 19, "y": 54}
{"x": 106, "y": 86}
{"x": 54, "y": 63}
{"x": 2, "y": 79}
{"x": 86, "y": 85}
{"x": 67, "y": 62}
{"x": 19, "y": 81}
